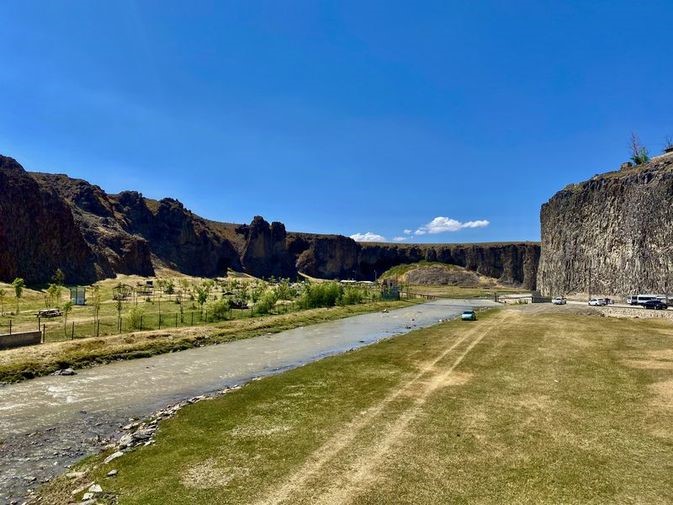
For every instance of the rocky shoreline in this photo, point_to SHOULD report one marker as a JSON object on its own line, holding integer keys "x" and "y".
{"x": 51, "y": 453}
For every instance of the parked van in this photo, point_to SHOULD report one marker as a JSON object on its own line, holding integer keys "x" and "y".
{"x": 641, "y": 299}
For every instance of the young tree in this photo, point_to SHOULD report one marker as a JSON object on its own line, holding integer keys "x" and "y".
{"x": 202, "y": 296}
{"x": 169, "y": 287}
{"x": 184, "y": 285}
{"x": 67, "y": 308}
{"x": 59, "y": 277}
{"x": 3, "y": 295}
{"x": 668, "y": 144}
{"x": 18, "y": 285}
{"x": 54, "y": 292}
{"x": 120, "y": 306}
{"x": 639, "y": 154}
{"x": 96, "y": 300}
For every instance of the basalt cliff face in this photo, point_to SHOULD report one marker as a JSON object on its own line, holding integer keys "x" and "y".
{"x": 610, "y": 235}
{"x": 50, "y": 221}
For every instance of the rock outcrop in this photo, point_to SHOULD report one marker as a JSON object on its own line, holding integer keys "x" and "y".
{"x": 610, "y": 235}
{"x": 38, "y": 233}
{"x": 50, "y": 221}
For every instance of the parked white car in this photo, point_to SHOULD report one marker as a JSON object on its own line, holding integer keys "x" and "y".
{"x": 559, "y": 300}
{"x": 597, "y": 302}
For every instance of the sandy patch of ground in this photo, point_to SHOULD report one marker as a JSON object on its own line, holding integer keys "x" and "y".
{"x": 209, "y": 474}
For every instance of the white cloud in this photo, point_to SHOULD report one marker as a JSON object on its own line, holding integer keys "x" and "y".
{"x": 407, "y": 231}
{"x": 399, "y": 239}
{"x": 442, "y": 224}
{"x": 368, "y": 237}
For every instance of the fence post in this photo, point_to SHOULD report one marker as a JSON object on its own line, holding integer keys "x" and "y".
{"x": 141, "y": 322}
{"x": 44, "y": 333}
{"x": 159, "y": 320}
{"x": 176, "y": 319}
{"x": 98, "y": 328}
{"x": 38, "y": 322}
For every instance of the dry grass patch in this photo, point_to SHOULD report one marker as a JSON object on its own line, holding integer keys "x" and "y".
{"x": 519, "y": 407}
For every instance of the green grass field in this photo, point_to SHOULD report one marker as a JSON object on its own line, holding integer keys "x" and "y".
{"x": 161, "y": 309}
{"x": 526, "y": 405}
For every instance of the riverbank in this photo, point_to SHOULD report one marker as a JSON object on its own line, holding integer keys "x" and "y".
{"x": 49, "y": 423}
{"x": 527, "y": 404}
{"x": 35, "y": 361}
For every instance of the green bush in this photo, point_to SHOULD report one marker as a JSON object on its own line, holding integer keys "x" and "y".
{"x": 266, "y": 302}
{"x": 352, "y": 295}
{"x": 135, "y": 318}
{"x": 324, "y": 294}
{"x": 219, "y": 310}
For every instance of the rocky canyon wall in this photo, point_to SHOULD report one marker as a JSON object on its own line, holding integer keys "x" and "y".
{"x": 611, "y": 235}
{"x": 50, "y": 221}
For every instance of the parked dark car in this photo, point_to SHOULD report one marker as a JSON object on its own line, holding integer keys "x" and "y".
{"x": 655, "y": 305}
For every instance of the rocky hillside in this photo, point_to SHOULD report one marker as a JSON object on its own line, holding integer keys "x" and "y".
{"x": 52, "y": 221}
{"x": 612, "y": 234}
{"x": 435, "y": 274}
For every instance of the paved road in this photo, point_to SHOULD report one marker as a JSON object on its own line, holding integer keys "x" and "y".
{"x": 50, "y": 422}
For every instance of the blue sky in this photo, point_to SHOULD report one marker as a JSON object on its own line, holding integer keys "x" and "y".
{"x": 456, "y": 120}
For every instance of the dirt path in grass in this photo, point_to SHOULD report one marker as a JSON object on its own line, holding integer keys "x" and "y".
{"x": 361, "y": 471}
{"x": 49, "y": 422}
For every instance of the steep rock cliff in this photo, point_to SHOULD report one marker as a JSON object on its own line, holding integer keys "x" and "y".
{"x": 612, "y": 234}
{"x": 50, "y": 221}
{"x": 38, "y": 233}
{"x": 513, "y": 263}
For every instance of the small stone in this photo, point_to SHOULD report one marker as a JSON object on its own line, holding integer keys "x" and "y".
{"x": 113, "y": 456}
{"x": 81, "y": 488}
{"x": 96, "y": 489}
{"x": 65, "y": 371}
{"x": 75, "y": 475}
{"x": 112, "y": 473}
{"x": 143, "y": 434}
{"x": 126, "y": 440}
{"x": 87, "y": 496}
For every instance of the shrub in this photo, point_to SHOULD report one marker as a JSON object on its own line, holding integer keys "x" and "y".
{"x": 266, "y": 302}
{"x": 325, "y": 294}
{"x": 220, "y": 310}
{"x": 352, "y": 295}
{"x": 135, "y": 318}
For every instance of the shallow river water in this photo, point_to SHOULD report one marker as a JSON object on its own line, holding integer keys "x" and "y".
{"x": 50, "y": 422}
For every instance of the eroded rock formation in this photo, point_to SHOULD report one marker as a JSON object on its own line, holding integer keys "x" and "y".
{"x": 50, "y": 221}
{"x": 610, "y": 235}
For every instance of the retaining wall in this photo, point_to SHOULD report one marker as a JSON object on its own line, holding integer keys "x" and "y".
{"x": 20, "y": 339}
{"x": 636, "y": 312}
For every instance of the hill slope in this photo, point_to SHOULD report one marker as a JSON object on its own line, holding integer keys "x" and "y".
{"x": 52, "y": 221}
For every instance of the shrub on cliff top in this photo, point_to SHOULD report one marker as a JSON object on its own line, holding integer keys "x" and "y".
{"x": 639, "y": 154}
